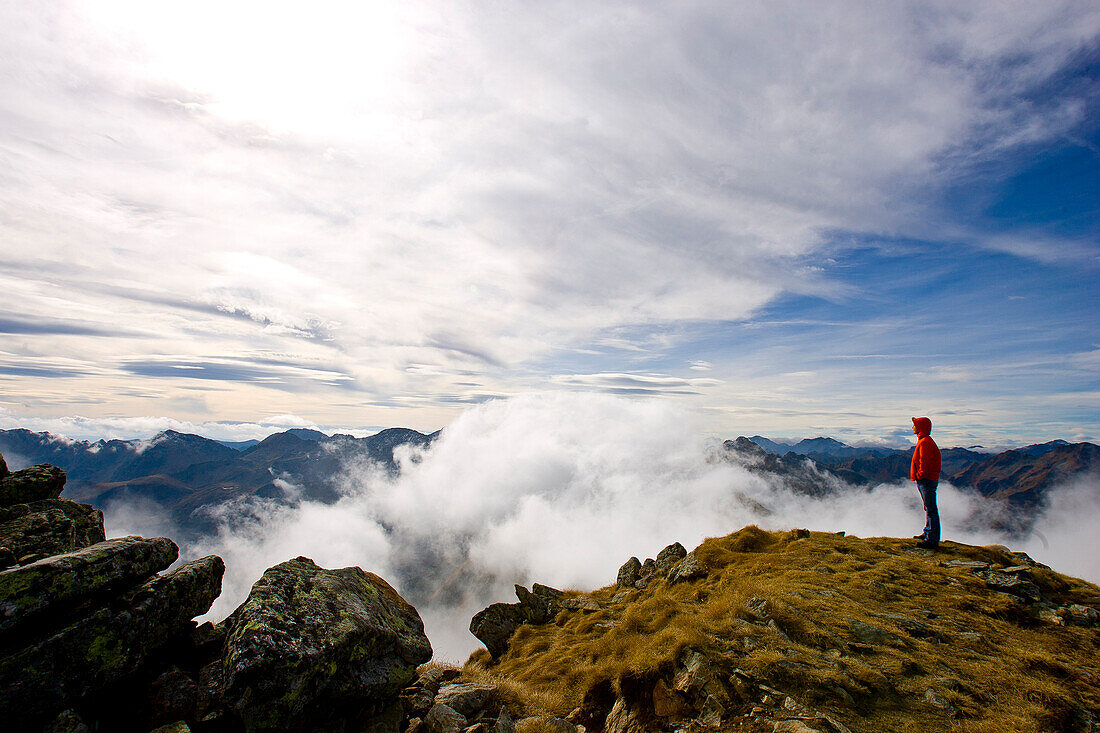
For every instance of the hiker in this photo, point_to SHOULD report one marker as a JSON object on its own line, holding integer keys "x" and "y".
{"x": 925, "y": 470}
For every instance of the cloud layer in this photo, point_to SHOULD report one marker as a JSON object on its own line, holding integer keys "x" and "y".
{"x": 561, "y": 489}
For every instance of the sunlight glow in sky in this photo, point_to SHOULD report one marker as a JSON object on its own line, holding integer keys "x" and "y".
{"x": 795, "y": 218}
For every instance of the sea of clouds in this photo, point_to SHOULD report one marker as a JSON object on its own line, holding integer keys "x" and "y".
{"x": 561, "y": 489}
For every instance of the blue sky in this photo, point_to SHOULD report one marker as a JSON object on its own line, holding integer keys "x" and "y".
{"x": 794, "y": 219}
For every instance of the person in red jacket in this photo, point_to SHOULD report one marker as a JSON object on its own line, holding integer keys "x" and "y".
{"x": 925, "y": 470}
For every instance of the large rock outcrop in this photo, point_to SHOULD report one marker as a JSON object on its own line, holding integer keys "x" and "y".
{"x": 80, "y": 616}
{"x": 35, "y": 523}
{"x": 312, "y": 644}
{"x": 38, "y": 529}
{"x": 31, "y": 484}
{"x": 59, "y": 586}
{"x": 45, "y": 673}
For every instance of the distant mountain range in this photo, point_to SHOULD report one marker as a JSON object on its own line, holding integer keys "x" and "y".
{"x": 187, "y": 474}
{"x": 1020, "y": 478}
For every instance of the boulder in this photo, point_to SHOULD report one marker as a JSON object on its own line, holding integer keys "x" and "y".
{"x": 687, "y": 569}
{"x": 59, "y": 585}
{"x": 629, "y": 573}
{"x": 871, "y": 634}
{"x": 625, "y": 718}
{"x": 312, "y": 642}
{"x": 494, "y": 626}
{"x": 49, "y": 527}
{"x": 31, "y": 484}
{"x": 67, "y": 721}
{"x": 49, "y": 673}
{"x": 669, "y": 556}
{"x": 444, "y": 719}
{"x": 470, "y": 699}
{"x": 174, "y": 696}
{"x": 541, "y": 604}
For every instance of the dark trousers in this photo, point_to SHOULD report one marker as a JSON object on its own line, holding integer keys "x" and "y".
{"x": 928, "y": 494}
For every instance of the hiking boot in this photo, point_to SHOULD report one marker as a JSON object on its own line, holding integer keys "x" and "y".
{"x": 927, "y": 544}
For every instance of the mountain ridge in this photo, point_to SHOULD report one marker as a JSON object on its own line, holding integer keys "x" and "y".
{"x": 186, "y": 473}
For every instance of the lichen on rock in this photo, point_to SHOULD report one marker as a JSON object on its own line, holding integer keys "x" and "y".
{"x": 310, "y": 641}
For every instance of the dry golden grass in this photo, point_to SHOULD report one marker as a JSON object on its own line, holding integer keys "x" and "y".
{"x": 1020, "y": 675}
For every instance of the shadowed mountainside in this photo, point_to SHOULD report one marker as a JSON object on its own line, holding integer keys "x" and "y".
{"x": 187, "y": 474}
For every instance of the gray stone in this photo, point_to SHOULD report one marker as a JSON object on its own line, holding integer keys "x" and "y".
{"x": 179, "y": 726}
{"x": 417, "y": 700}
{"x": 624, "y": 718}
{"x": 112, "y": 642}
{"x": 175, "y": 696}
{"x": 67, "y": 721}
{"x": 31, "y": 484}
{"x": 687, "y": 569}
{"x": 711, "y": 714}
{"x": 504, "y": 723}
{"x": 49, "y": 527}
{"x": 443, "y": 719}
{"x": 469, "y": 699}
{"x": 1013, "y": 583}
{"x": 432, "y": 677}
{"x": 1080, "y": 615}
{"x": 59, "y": 584}
{"x": 581, "y": 603}
{"x": 494, "y": 626}
{"x": 871, "y": 634}
{"x": 311, "y": 643}
{"x": 938, "y": 701}
{"x": 967, "y": 564}
{"x": 757, "y": 607}
{"x": 793, "y": 726}
{"x": 541, "y": 604}
{"x": 914, "y": 627}
{"x": 669, "y": 556}
{"x": 629, "y": 573}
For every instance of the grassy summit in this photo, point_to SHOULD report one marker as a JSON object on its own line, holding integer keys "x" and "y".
{"x": 834, "y": 632}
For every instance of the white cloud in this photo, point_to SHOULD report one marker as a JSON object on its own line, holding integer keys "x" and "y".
{"x": 469, "y": 188}
{"x": 557, "y": 488}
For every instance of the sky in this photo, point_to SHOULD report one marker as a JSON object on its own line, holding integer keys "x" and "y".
{"x": 789, "y": 218}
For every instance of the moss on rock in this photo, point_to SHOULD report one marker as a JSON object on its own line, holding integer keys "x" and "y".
{"x": 311, "y": 641}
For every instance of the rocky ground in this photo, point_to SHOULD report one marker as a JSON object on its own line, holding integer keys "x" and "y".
{"x": 804, "y": 632}
{"x": 98, "y": 634}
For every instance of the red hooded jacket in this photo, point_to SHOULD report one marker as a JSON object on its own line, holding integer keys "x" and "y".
{"x": 926, "y": 456}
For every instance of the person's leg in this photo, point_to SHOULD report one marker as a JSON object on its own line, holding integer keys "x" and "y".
{"x": 931, "y": 510}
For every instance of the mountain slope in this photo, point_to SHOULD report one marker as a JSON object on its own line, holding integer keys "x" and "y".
{"x": 188, "y": 474}
{"x": 773, "y": 631}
